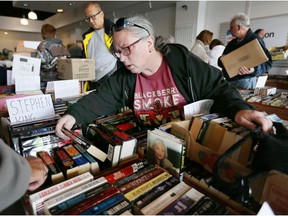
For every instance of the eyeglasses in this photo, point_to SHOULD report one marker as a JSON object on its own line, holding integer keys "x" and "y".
{"x": 123, "y": 23}
{"x": 93, "y": 17}
{"x": 126, "y": 51}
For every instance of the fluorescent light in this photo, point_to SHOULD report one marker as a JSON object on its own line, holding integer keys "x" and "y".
{"x": 24, "y": 21}
{"x": 60, "y": 10}
{"x": 32, "y": 15}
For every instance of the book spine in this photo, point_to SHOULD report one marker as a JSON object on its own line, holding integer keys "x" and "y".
{"x": 36, "y": 200}
{"x": 183, "y": 204}
{"x": 205, "y": 207}
{"x": 65, "y": 205}
{"x": 65, "y": 161}
{"x": 94, "y": 164}
{"x": 75, "y": 155}
{"x": 165, "y": 199}
{"x": 124, "y": 172}
{"x": 135, "y": 193}
{"x": 86, "y": 204}
{"x": 105, "y": 204}
{"x": 88, "y": 187}
{"x": 182, "y": 165}
{"x": 139, "y": 181}
{"x": 118, "y": 209}
{"x": 49, "y": 162}
{"x": 114, "y": 132}
{"x": 134, "y": 176}
{"x": 157, "y": 191}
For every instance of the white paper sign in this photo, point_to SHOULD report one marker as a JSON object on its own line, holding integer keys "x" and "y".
{"x": 66, "y": 88}
{"x": 25, "y": 66}
{"x": 198, "y": 107}
{"x": 261, "y": 81}
{"x": 27, "y": 83}
{"x": 30, "y": 108}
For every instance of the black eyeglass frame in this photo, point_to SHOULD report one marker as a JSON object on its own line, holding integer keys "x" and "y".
{"x": 117, "y": 54}
{"x": 122, "y": 23}
{"x": 93, "y": 17}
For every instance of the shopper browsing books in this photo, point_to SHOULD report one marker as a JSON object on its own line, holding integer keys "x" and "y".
{"x": 18, "y": 174}
{"x": 157, "y": 81}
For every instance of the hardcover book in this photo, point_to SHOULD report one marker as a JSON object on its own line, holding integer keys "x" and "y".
{"x": 167, "y": 151}
{"x": 112, "y": 147}
{"x": 128, "y": 142}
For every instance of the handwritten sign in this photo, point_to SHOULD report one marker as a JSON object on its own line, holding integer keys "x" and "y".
{"x": 66, "y": 88}
{"x": 30, "y": 108}
{"x": 198, "y": 107}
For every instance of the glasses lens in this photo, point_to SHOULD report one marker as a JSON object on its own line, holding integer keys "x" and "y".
{"x": 125, "y": 51}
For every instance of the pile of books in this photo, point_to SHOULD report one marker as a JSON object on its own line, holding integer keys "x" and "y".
{"x": 137, "y": 188}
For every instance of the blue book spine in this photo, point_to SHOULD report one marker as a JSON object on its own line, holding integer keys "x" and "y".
{"x": 104, "y": 205}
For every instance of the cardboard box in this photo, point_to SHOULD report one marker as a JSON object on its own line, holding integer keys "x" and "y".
{"x": 275, "y": 192}
{"x": 206, "y": 156}
{"x": 81, "y": 69}
{"x": 27, "y": 46}
{"x": 249, "y": 55}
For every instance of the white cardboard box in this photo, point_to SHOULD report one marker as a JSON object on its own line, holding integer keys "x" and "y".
{"x": 75, "y": 68}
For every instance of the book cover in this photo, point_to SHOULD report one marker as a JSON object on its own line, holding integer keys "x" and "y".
{"x": 167, "y": 151}
{"x": 165, "y": 199}
{"x": 182, "y": 205}
{"x": 36, "y": 200}
{"x": 59, "y": 203}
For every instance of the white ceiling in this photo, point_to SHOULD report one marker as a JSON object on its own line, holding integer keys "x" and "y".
{"x": 107, "y": 6}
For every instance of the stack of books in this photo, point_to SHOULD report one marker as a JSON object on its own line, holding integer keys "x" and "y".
{"x": 138, "y": 188}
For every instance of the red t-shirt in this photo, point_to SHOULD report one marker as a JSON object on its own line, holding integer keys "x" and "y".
{"x": 157, "y": 99}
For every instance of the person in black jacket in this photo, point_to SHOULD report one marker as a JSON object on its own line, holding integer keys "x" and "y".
{"x": 157, "y": 81}
{"x": 240, "y": 29}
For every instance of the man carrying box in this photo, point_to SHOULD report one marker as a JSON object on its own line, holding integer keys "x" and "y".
{"x": 246, "y": 78}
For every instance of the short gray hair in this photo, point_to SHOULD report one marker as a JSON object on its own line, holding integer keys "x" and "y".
{"x": 241, "y": 19}
{"x": 141, "y": 21}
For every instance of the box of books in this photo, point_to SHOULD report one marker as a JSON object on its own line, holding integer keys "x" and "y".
{"x": 207, "y": 154}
